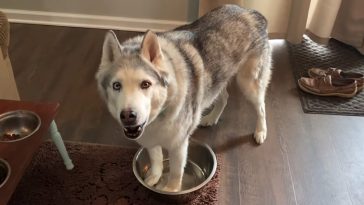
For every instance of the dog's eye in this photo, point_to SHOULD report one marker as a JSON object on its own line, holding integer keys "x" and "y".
{"x": 116, "y": 86}
{"x": 145, "y": 84}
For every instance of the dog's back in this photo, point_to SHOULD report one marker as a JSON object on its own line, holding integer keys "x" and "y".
{"x": 224, "y": 38}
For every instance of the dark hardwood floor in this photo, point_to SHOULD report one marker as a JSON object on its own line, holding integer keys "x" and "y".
{"x": 307, "y": 158}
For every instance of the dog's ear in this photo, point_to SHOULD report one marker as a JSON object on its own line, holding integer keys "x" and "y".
{"x": 111, "y": 49}
{"x": 150, "y": 48}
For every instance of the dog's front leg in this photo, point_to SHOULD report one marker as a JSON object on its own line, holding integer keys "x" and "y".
{"x": 156, "y": 160}
{"x": 177, "y": 162}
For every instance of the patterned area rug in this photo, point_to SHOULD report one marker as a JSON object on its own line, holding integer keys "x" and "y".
{"x": 102, "y": 175}
{"x": 336, "y": 54}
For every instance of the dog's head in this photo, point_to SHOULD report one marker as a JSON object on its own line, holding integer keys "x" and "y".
{"x": 133, "y": 82}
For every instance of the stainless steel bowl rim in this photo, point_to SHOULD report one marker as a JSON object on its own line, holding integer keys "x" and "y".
{"x": 5, "y": 114}
{"x": 9, "y": 171}
{"x": 184, "y": 191}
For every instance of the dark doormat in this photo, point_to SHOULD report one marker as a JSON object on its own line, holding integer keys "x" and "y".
{"x": 102, "y": 175}
{"x": 336, "y": 54}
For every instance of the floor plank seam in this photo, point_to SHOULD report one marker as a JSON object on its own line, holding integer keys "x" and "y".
{"x": 284, "y": 153}
{"x": 342, "y": 170}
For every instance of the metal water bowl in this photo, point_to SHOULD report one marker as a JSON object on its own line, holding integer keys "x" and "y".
{"x": 200, "y": 168}
{"x": 18, "y": 125}
{"x": 4, "y": 172}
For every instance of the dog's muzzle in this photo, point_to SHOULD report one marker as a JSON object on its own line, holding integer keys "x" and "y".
{"x": 133, "y": 132}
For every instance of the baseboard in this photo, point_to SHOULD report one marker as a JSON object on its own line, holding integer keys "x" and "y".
{"x": 277, "y": 35}
{"x": 89, "y": 21}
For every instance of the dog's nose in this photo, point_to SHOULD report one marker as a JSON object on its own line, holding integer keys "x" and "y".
{"x": 128, "y": 117}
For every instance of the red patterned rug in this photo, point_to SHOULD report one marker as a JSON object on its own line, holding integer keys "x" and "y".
{"x": 102, "y": 175}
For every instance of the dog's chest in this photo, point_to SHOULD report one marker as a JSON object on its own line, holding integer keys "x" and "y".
{"x": 163, "y": 134}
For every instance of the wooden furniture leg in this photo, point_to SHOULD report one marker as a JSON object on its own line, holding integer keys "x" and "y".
{"x": 58, "y": 141}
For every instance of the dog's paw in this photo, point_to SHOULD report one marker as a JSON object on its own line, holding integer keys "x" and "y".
{"x": 151, "y": 178}
{"x": 169, "y": 187}
{"x": 260, "y": 136}
{"x": 161, "y": 184}
{"x": 208, "y": 121}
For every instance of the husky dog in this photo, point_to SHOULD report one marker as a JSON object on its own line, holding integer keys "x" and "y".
{"x": 160, "y": 83}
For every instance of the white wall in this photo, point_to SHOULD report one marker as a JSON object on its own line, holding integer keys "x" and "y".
{"x": 277, "y": 20}
{"x": 177, "y": 10}
{"x": 114, "y": 14}
{"x": 278, "y": 12}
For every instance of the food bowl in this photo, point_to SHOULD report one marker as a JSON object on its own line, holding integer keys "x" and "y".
{"x": 200, "y": 168}
{"x": 18, "y": 125}
{"x": 4, "y": 172}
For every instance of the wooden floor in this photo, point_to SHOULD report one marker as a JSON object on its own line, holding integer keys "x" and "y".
{"x": 307, "y": 158}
